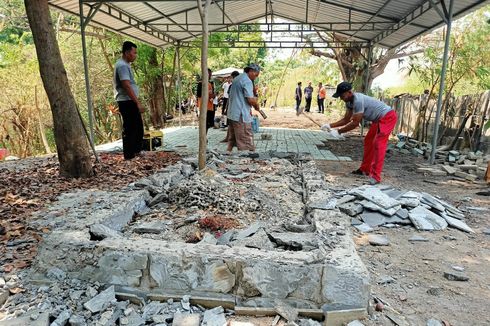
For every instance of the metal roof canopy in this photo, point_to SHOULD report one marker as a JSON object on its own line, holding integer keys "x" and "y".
{"x": 164, "y": 23}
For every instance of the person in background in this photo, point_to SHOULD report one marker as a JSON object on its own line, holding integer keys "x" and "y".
{"x": 210, "y": 107}
{"x": 322, "y": 93}
{"x": 265, "y": 90}
{"x": 298, "y": 95}
{"x": 383, "y": 118}
{"x": 225, "y": 87}
{"x": 126, "y": 94}
{"x": 242, "y": 99}
{"x": 234, "y": 74}
{"x": 308, "y": 96}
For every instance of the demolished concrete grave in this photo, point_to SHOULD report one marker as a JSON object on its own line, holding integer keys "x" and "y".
{"x": 241, "y": 233}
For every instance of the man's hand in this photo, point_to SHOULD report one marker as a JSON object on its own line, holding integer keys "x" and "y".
{"x": 141, "y": 108}
{"x": 326, "y": 127}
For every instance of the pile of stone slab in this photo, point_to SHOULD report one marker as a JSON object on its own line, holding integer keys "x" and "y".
{"x": 462, "y": 164}
{"x": 373, "y": 206}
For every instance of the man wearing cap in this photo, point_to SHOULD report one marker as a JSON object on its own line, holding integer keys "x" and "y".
{"x": 360, "y": 106}
{"x": 241, "y": 100}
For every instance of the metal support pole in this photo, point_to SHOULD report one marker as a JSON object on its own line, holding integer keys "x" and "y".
{"x": 179, "y": 86}
{"x": 441, "y": 86}
{"x": 83, "y": 24}
{"x": 366, "y": 80}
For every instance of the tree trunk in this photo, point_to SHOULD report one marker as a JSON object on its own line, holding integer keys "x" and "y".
{"x": 40, "y": 122}
{"x": 156, "y": 93}
{"x": 71, "y": 143}
{"x": 203, "y": 12}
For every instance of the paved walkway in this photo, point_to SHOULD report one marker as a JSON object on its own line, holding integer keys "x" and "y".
{"x": 185, "y": 140}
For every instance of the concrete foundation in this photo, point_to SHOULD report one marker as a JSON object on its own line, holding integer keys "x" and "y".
{"x": 323, "y": 271}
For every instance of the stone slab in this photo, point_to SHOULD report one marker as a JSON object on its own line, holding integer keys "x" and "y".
{"x": 183, "y": 319}
{"x": 458, "y": 224}
{"x": 375, "y": 195}
{"x": 425, "y": 220}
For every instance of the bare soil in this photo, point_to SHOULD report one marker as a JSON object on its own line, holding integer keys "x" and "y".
{"x": 419, "y": 291}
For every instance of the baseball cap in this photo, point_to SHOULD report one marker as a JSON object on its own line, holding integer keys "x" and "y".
{"x": 253, "y": 66}
{"x": 342, "y": 88}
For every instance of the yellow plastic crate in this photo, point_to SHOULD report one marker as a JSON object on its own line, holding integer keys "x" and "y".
{"x": 152, "y": 139}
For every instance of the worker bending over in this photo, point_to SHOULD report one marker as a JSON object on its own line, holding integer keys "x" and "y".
{"x": 360, "y": 106}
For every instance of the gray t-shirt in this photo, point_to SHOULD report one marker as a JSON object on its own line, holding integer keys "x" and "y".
{"x": 372, "y": 108}
{"x": 122, "y": 71}
{"x": 238, "y": 106}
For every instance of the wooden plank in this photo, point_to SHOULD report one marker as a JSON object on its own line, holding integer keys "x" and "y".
{"x": 252, "y": 311}
{"x": 226, "y": 302}
{"x": 341, "y": 317}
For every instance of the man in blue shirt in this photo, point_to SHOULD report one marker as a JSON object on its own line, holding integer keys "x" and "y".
{"x": 308, "y": 96}
{"x": 383, "y": 118}
{"x": 126, "y": 94}
{"x": 240, "y": 104}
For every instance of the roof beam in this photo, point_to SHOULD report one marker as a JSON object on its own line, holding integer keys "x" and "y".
{"x": 407, "y": 20}
{"x": 433, "y": 4}
{"x": 387, "y": 2}
{"x": 430, "y": 28}
{"x": 282, "y": 44}
{"x": 165, "y": 16}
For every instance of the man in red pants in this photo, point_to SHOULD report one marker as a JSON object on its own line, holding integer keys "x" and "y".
{"x": 383, "y": 118}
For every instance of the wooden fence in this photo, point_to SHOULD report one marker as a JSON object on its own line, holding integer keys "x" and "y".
{"x": 462, "y": 119}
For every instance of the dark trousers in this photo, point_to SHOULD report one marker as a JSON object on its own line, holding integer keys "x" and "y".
{"x": 132, "y": 135}
{"x": 321, "y": 108}
{"x": 298, "y": 102}
{"x": 223, "y": 108}
{"x": 308, "y": 104}
{"x": 209, "y": 120}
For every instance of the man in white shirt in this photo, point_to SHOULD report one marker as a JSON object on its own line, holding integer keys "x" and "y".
{"x": 226, "y": 86}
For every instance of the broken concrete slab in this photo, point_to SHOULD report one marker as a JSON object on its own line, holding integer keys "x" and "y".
{"x": 375, "y": 195}
{"x": 154, "y": 227}
{"x": 373, "y": 219}
{"x": 402, "y": 213}
{"x": 100, "y": 232}
{"x": 345, "y": 199}
{"x": 425, "y": 220}
{"x": 410, "y": 199}
{"x": 378, "y": 240}
{"x": 458, "y": 224}
{"x": 295, "y": 241}
{"x": 214, "y": 317}
{"x": 252, "y": 229}
{"x": 373, "y": 207}
{"x": 101, "y": 301}
{"x": 364, "y": 228}
{"x": 417, "y": 238}
{"x": 185, "y": 319}
{"x": 432, "y": 202}
{"x": 351, "y": 208}
{"x": 259, "y": 240}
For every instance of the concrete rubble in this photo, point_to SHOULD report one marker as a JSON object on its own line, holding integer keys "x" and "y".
{"x": 383, "y": 205}
{"x": 184, "y": 247}
{"x": 464, "y": 164}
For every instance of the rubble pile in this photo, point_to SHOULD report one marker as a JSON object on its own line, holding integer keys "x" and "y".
{"x": 463, "y": 164}
{"x": 381, "y": 205}
{"x": 258, "y": 240}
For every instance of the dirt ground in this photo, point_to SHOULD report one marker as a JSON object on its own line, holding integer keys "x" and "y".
{"x": 418, "y": 291}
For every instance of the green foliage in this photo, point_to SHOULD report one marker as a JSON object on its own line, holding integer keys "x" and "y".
{"x": 468, "y": 60}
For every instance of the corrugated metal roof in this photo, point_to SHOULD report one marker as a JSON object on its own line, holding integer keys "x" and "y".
{"x": 164, "y": 23}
